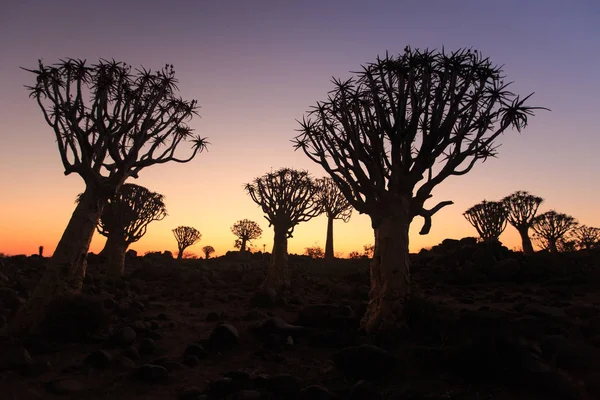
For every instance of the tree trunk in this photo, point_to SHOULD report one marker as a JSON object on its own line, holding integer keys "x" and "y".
{"x": 390, "y": 271}
{"x": 243, "y": 245}
{"x": 66, "y": 268}
{"x": 329, "y": 240}
{"x": 526, "y": 240}
{"x": 552, "y": 248}
{"x": 277, "y": 275}
{"x": 180, "y": 252}
{"x": 115, "y": 249}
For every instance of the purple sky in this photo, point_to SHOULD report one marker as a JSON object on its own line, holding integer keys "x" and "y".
{"x": 256, "y": 66}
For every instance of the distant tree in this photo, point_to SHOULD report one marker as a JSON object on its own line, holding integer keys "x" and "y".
{"x": 287, "y": 197}
{"x": 586, "y": 237}
{"x": 550, "y": 227}
{"x": 368, "y": 250}
{"x": 41, "y": 251}
{"x": 125, "y": 219}
{"x": 246, "y": 231}
{"x": 522, "y": 208}
{"x": 488, "y": 218}
{"x": 185, "y": 236}
{"x": 567, "y": 243}
{"x": 335, "y": 206}
{"x": 189, "y": 255}
{"x": 355, "y": 255}
{"x": 110, "y": 123}
{"x": 208, "y": 250}
{"x": 381, "y": 133}
{"x": 315, "y": 251}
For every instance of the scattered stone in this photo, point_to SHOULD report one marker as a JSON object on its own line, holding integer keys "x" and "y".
{"x": 150, "y": 373}
{"x": 99, "y": 359}
{"x": 221, "y": 387}
{"x": 64, "y": 386}
{"x": 224, "y": 337}
{"x": 147, "y": 346}
{"x": 328, "y": 316}
{"x": 365, "y": 362}
{"x": 212, "y": 317}
{"x": 195, "y": 349}
{"x": 316, "y": 392}
{"x": 264, "y": 299}
{"x": 248, "y": 395}
{"x": 191, "y": 361}
{"x": 191, "y": 393}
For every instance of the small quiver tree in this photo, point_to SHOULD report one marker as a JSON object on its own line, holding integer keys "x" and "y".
{"x": 522, "y": 208}
{"x": 488, "y": 218}
{"x": 207, "y": 250}
{"x": 392, "y": 133}
{"x": 287, "y": 197}
{"x": 245, "y": 231}
{"x": 185, "y": 236}
{"x": 551, "y": 227}
{"x": 587, "y": 237}
{"x": 335, "y": 206}
{"x": 110, "y": 123}
{"x": 125, "y": 219}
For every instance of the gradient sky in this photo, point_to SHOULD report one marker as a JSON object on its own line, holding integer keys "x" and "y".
{"x": 256, "y": 66}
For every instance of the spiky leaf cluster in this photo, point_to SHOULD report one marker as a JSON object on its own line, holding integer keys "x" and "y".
{"x": 186, "y": 236}
{"x": 246, "y": 230}
{"x": 332, "y": 200}
{"x": 111, "y": 122}
{"x": 422, "y": 115}
{"x": 489, "y": 218}
{"x": 130, "y": 211}
{"x": 522, "y": 208}
{"x": 286, "y": 196}
{"x": 551, "y": 226}
{"x": 587, "y": 237}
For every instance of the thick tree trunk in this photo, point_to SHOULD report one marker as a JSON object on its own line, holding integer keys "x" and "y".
{"x": 115, "y": 249}
{"x": 243, "y": 245}
{"x": 390, "y": 271}
{"x": 180, "y": 252}
{"x": 66, "y": 268}
{"x": 277, "y": 275}
{"x": 552, "y": 248}
{"x": 329, "y": 240}
{"x": 526, "y": 240}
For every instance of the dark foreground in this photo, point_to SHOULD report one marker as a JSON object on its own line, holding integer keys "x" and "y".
{"x": 483, "y": 324}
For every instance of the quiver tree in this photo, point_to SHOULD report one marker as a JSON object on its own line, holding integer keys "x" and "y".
{"x": 392, "y": 133}
{"x": 110, "y": 123}
{"x": 522, "y": 208}
{"x": 335, "y": 206}
{"x": 587, "y": 237}
{"x": 488, "y": 218}
{"x": 245, "y": 231}
{"x": 125, "y": 219}
{"x": 208, "y": 250}
{"x": 287, "y": 197}
{"x": 550, "y": 227}
{"x": 185, "y": 236}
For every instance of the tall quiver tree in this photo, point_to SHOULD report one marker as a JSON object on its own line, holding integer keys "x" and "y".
{"x": 550, "y": 227}
{"x": 488, "y": 218}
{"x": 110, "y": 123}
{"x": 287, "y": 197}
{"x": 522, "y": 208}
{"x": 402, "y": 121}
{"x": 245, "y": 231}
{"x": 587, "y": 237}
{"x": 335, "y": 206}
{"x": 125, "y": 219}
{"x": 185, "y": 236}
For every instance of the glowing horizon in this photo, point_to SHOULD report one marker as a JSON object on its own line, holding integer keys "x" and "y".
{"x": 255, "y": 68}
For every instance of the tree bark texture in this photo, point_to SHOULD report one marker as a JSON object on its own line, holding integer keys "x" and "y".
{"x": 277, "y": 274}
{"x": 526, "y": 241}
{"x": 66, "y": 268}
{"x": 329, "y": 240}
{"x": 390, "y": 272}
{"x": 115, "y": 249}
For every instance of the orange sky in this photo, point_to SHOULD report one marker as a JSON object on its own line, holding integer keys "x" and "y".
{"x": 255, "y": 69}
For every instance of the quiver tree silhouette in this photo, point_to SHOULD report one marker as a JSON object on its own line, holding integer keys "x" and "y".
{"x": 287, "y": 197}
{"x": 246, "y": 231}
{"x": 315, "y": 251}
{"x": 417, "y": 118}
{"x": 125, "y": 219}
{"x": 110, "y": 123}
{"x": 488, "y": 218}
{"x": 522, "y": 208}
{"x": 185, "y": 236}
{"x": 335, "y": 206}
{"x": 208, "y": 250}
{"x": 550, "y": 227}
{"x": 587, "y": 237}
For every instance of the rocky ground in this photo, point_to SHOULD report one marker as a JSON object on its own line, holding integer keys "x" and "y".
{"x": 484, "y": 323}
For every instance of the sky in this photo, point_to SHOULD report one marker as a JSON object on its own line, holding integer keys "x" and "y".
{"x": 255, "y": 67}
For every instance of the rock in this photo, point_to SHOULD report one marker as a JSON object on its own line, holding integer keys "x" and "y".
{"x": 363, "y": 390}
{"x": 328, "y": 316}
{"x": 365, "y": 362}
{"x": 10, "y": 298}
{"x": 248, "y": 395}
{"x": 212, "y": 316}
{"x": 195, "y": 349}
{"x": 241, "y": 379}
{"x": 570, "y": 355}
{"x": 264, "y": 299}
{"x": 191, "y": 361}
{"x": 109, "y": 304}
{"x": 221, "y": 387}
{"x": 18, "y": 358}
{"x": 132, "y": 352}
{"x": 224, "y": 337}
{"x": 150, "y": 373}
{"x": 539, "y": 310}
{"x": 276, "y": 325}
{"x": 64, "y": 386}
{"x": 284, "y": 385}
{"x": 147, "y": 346}
{"x": 191, "y": 393}
{"x": 99, "y": 359}
{"x": 126, "y": 336}
{"x": 316, "y": 392}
